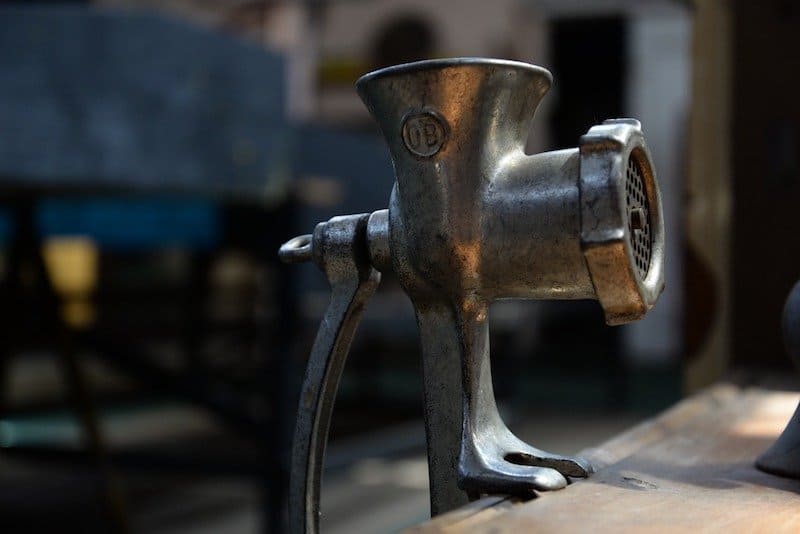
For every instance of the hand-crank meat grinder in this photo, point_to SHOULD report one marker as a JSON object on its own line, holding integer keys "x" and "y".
{"x": 472, "y": 219}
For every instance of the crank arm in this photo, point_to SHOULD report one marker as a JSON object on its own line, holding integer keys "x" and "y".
{"x": 339, "y": 248}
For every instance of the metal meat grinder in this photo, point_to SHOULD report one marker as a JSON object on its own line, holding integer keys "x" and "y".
{"x": 473, "y": 219}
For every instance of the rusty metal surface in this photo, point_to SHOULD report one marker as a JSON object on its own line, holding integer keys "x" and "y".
{"x": 473, "y": 219}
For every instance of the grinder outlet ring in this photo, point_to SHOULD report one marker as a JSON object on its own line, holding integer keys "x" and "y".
{"x": 622, "y": 229}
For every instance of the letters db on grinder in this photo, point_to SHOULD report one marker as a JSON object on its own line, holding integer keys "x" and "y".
{"x": 424, "y": 133}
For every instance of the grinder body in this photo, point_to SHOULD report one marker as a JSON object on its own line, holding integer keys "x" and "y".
{"x": 471, "y": 219}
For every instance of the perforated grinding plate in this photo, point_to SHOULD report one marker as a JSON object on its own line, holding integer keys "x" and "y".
{"x": 638, "y": 216}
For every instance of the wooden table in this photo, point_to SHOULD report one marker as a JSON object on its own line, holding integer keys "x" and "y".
{"x": 688, "y": 470}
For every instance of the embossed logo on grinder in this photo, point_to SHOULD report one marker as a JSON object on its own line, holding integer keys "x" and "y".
{"x": 424, "y": 133}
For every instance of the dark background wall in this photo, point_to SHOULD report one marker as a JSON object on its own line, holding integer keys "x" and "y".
{"x": 766, "y": 171}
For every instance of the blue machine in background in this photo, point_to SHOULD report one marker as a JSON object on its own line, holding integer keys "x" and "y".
{"x": 136, "y": 103}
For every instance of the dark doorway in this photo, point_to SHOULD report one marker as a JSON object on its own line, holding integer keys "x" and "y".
{"x": 589, "y": 66}
{"x": 404, "y": 39}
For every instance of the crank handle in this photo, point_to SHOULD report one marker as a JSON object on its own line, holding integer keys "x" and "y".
{"x": 341, "y": 249}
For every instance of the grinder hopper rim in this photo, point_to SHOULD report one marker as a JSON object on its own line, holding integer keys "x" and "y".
{"x": 437, "y": 64}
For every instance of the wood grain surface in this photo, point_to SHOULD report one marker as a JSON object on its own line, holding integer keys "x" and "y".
{"x": 687, "y": 470}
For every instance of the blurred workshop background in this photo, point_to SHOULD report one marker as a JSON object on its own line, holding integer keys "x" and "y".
{"x": 155, "y": 153}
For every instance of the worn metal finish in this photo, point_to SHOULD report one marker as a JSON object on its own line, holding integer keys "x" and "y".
{"x": 473, "y": 219}
{"x": 609, "y": 237}
{"x": 783, "y": 457}
{"x": 339, "y": 249}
